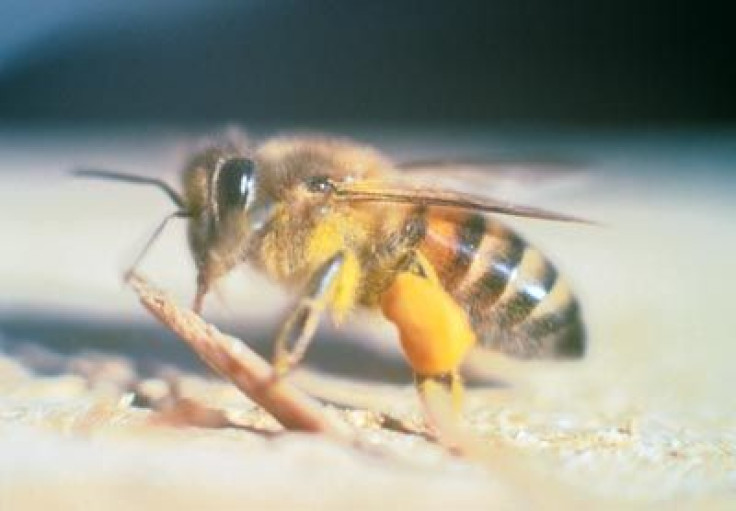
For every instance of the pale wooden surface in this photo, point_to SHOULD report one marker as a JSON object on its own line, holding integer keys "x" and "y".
{"x": 647, "y": 418}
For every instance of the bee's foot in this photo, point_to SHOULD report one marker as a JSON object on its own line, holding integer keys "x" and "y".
{"x": 282, "y": 367}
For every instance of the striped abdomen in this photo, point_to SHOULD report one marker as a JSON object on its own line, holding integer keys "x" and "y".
{"x": 516, "y": 300}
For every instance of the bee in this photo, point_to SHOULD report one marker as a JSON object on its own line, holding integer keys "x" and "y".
{"x": 340, "y": 225}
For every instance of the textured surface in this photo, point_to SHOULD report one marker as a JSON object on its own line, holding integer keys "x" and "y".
{"x": 647, "y": 418}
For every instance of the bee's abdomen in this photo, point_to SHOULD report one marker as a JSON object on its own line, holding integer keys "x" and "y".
{"x": 515, "y": 298}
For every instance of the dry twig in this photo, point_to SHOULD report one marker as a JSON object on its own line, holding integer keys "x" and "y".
{"x": 234, "y": 360}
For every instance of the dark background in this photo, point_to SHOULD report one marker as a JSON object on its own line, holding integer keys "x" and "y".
{"x": 583, "y": 62}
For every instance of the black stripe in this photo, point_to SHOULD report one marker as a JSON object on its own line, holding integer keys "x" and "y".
{"x": 525, "y": 299}
{"x": 561, "y": 333}
{"x": 550, "y": 323}
{"x": 469, "y": 237}
{"x": 493, "y": 282}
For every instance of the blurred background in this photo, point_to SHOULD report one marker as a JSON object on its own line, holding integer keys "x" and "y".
{"x": 610, "y": 62}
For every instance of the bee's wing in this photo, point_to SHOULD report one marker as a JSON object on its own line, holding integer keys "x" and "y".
{"x": 522, "y": 181}
{"x": 489, "y": 165}
{"x": 399, "y": 193}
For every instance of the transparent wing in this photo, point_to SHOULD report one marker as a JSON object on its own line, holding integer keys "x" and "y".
{"x": 521, "y": 181}
{"x": 398, "y": 193}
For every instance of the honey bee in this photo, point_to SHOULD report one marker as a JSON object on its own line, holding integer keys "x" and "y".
{"x": 338, "y": 223}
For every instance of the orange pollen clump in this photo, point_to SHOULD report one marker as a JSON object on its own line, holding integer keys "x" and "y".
{"x": 434, "y": 330}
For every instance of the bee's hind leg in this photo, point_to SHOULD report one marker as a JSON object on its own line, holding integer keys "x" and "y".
{"x": 441, "y": 393}
{"x": 435, "y": 334}
{"x": 299, "y": 328}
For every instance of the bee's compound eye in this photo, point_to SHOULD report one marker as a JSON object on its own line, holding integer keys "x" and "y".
{"x": 235, "y": 184}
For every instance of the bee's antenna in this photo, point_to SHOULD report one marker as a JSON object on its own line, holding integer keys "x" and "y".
{"x": 176, "y": 198}
{"x": 176, "y": 214}
{"x": 131, "y": 178}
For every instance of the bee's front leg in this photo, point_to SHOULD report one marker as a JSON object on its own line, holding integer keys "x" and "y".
{"x": 298, "y": 330}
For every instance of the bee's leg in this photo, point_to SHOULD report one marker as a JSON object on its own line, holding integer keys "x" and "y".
{"x": 435, "y": 334}
{"x": 298, "y": 331}
{"x": 441, "y": 393}
{"x": 202, "y": 288}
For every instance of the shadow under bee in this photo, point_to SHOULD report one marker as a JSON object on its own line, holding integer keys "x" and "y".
{"x": 49, "y": 344}
{"x": 54, "y": 344}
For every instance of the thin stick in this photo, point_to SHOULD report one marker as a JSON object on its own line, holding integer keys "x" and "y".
{"x": 234, "y": 360}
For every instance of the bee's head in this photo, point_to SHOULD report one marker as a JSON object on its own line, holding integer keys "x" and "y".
{"x": 222, "y": 202}
{"x": 221, "y": 195}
